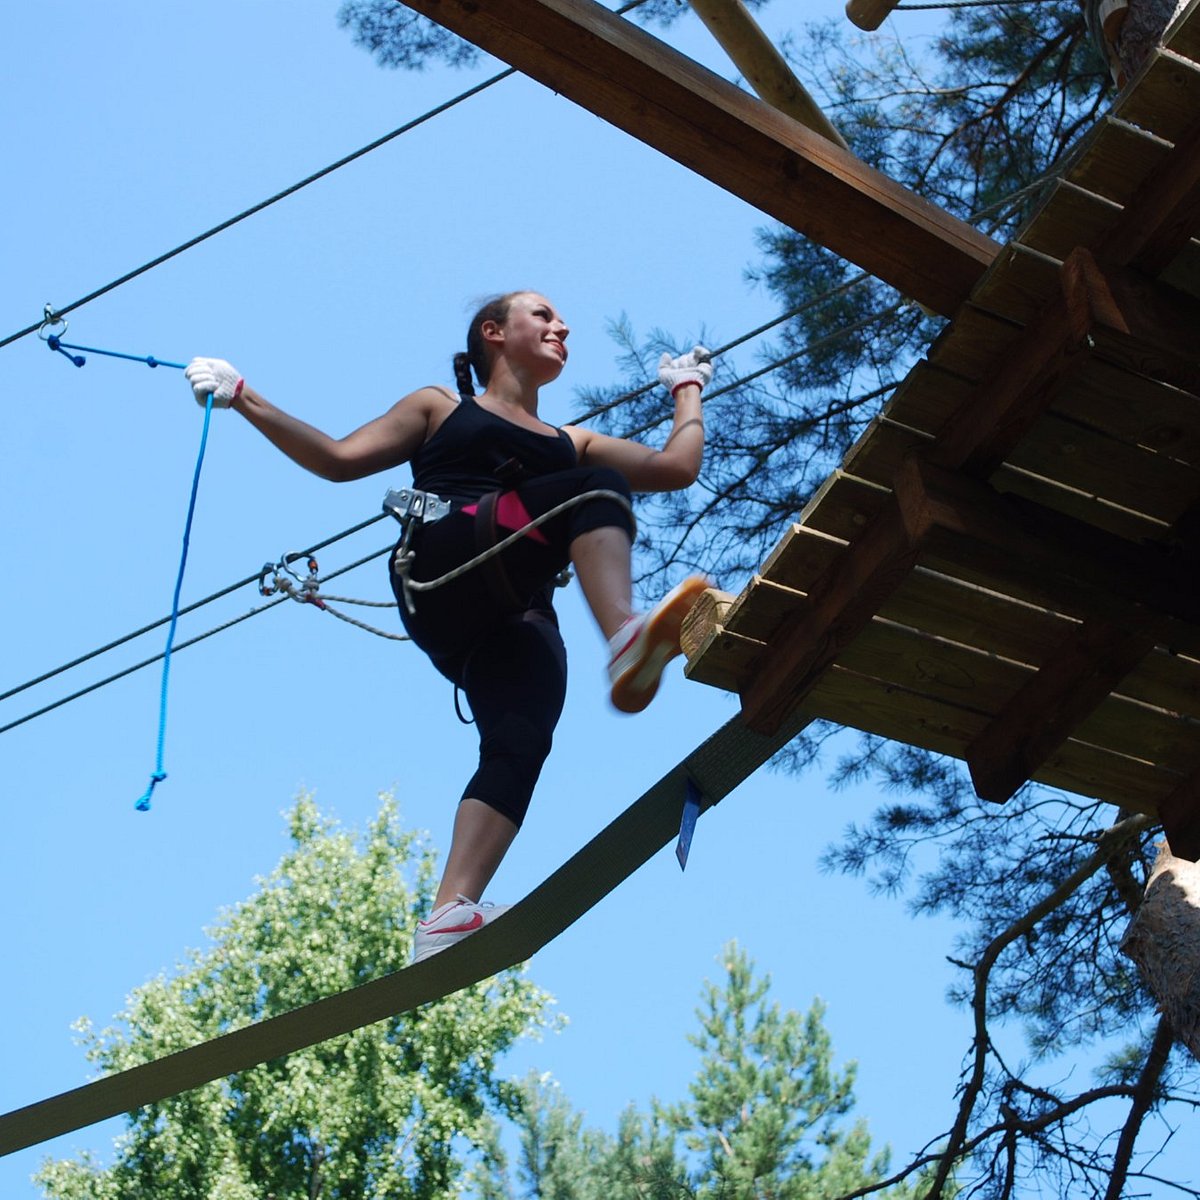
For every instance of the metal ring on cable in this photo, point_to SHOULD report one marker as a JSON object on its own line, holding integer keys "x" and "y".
{"x": 50, "y": 321}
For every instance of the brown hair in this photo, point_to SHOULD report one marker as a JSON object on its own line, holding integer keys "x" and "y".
{"x": 476, "y": 356}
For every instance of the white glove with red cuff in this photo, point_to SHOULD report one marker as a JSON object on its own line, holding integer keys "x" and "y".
{"x": 215, "y": 376}
{"x": 693, "y": 367}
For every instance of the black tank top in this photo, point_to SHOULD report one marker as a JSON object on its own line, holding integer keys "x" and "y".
{"x": 475, "y": 452}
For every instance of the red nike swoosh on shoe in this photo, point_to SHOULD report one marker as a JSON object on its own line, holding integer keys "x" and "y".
{"x": 474, "y": 923}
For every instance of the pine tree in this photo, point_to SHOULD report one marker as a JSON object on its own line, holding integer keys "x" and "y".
{"x": 767, "y": 1117}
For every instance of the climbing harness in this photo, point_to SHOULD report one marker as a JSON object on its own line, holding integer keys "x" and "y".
{"x": 51, "y": 322}
{"x": 412, "y": 507}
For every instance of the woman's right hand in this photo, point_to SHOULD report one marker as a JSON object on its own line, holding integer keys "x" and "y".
{"x": 214, "y": 377}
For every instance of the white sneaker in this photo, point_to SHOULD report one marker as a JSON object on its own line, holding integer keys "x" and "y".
{"x": 644, "y": 645}
{"x": 451, "y": 923}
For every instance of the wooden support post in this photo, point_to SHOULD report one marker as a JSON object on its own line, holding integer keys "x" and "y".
{"x": 753, "y": 53}
{"x": 636, "y": 82}
{"x": 1040, "y": 716}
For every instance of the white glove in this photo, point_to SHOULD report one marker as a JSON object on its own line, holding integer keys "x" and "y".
{"x": 693, "y": 367}
{"x": 215, "y": 376}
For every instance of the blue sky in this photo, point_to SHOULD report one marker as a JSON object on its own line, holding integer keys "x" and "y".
{"x": 132, "y": 127}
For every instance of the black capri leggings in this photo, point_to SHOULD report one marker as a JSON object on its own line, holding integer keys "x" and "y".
{"x": 497, "y": 638}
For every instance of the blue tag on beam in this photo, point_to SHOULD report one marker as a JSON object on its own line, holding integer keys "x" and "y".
{"x": 687, "y": 825}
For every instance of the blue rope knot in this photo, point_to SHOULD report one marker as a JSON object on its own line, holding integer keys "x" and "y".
{"x": 143, "y": 802}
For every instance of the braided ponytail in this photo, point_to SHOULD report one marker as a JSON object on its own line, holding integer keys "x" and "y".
{"x": 462, "y": 375}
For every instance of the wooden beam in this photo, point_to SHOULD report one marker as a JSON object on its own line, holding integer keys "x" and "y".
{"x": 869, "y": 14}
{"x": 1139, "y": 324}
{"x": 841, "y": 603}
{"x": 1057, "y": 343}
{"x": 1040, "y": 717}
{"x": 755, "y": 55}
{"x": 636, "y": 82}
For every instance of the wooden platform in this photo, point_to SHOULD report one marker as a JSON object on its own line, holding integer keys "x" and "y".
{"x": 1006, "y": 566}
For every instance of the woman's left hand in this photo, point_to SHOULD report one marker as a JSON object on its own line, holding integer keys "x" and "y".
{"x": 693, "y": 367}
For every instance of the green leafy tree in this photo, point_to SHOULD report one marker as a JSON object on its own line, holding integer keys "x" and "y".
{"x": 396, "y": 1109}
{"x": 767, "y": 1118}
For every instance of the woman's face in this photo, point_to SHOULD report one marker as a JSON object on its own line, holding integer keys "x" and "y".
{"x": 533, "y": 337}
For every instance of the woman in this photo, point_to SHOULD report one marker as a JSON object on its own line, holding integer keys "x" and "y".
{"x": 492, "y": 631}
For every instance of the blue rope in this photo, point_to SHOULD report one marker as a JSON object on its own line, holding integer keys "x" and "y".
{"x": 62, "y": 347}
{"x": 158, "y": 775}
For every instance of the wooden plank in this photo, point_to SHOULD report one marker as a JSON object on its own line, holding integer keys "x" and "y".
{"x": 1183, "y": 34}
{"x": 1165, "y": 96}
{"x": 924, "y": 665}
{"x": 975, "y": 340}
{"x": 963, "y": 612}
{"x": 844, "y": 506}
{"x": 1108, "y": 469}
{"x": 1126, "y": 489}
{"x": 1018, "y": 284}
{"x": 1080, "y": 506}
{"x": 934, "y": 725}
{"x": 1041, "y": 714}
{"x": 1072, "y": 216}
{"x": 1169, "y": 740}
{"x": 1114, "y": 159}
{"x": 1133, "y": 408}
{"x": 641, "y": 85}
{"x": 1139, "y": 324}
{"x": 927, "y": 398}
{"x": 1167, "y": 680}
{"x": 1082, "y": 571}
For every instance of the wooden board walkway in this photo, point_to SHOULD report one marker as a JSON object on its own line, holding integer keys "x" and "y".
{"x": 1006, "y": 566}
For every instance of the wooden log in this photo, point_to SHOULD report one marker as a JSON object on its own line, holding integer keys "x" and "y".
{"x": 1163, "y": 939}
{"x": 641, "y": 85}
{"x": 702, "y": 618}
{"x": 869, "y": 14}
{"x": 767, "y": 71}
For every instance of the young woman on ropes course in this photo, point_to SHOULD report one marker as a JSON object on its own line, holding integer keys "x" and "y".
{"x": 492, "y": 629}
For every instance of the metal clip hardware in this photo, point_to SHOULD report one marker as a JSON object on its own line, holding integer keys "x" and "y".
{"x": 408, "y": 503}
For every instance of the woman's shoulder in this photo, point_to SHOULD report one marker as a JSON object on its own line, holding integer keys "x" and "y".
{"x": 436, "y": 402}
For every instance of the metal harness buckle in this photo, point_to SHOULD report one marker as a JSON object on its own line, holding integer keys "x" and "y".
{"x": 409, "y": 503}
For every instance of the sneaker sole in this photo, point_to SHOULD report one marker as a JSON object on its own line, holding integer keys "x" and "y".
{"x": 637, "y": 685}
